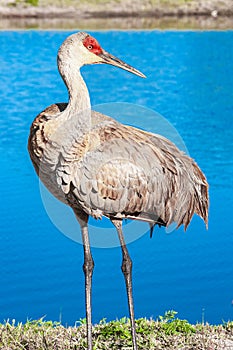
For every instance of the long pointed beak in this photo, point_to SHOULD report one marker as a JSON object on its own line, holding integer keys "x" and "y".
{"x": 114, "y": 61}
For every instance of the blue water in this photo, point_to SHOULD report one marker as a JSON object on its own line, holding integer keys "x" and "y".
{"x": 189, "y": 82}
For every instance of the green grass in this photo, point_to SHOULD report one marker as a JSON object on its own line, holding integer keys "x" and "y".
{"x": 32, "y": 2}
{"x": 24, "y": 2}
{"x": 167, "y": 332}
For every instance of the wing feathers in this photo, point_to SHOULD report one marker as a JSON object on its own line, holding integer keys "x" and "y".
{"x": 125, "y": 172}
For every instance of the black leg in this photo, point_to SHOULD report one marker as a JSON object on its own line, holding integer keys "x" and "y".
{"x": 127, "y": 271}
{"x": 88, "y": 267}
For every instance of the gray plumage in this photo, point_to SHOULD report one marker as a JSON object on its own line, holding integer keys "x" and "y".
{"x": 100, "y": 167}
{"x": 119, "y": 171}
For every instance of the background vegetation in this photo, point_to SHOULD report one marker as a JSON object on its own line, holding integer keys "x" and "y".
{"x": 139, "y": 4}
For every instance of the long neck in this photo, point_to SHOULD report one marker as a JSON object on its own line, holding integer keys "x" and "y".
{"x": 79, "y": 106}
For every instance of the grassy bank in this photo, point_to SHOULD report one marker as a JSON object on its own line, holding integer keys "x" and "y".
{"x": 116, "y": 14}
{"x": 120, "y": 8}
{"x": 168, "y": 332}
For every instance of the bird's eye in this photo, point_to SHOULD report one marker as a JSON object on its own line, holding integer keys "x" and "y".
{"x": 89, "y": 47}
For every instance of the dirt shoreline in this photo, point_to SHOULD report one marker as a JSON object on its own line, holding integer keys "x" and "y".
{"x": 119, "y": 9}
{"x": 123, "y": 14}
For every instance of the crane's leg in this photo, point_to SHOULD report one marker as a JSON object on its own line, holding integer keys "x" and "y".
{"x": 126, "y": 268}
{"x": 88, "y": 267}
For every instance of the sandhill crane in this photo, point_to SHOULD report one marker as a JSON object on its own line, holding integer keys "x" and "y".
{"x": 100, "y": 167}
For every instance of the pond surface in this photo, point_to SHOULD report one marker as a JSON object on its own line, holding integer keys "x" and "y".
{"x": 189, "y": 82}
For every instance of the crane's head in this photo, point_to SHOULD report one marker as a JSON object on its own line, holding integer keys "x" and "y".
{"x": 83, "y": 49}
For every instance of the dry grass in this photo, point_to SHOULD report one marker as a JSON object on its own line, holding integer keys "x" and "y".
{"x": 162, "y": 5}
{"x": 167, "y": 333}
{"x": 114, "y": 8}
